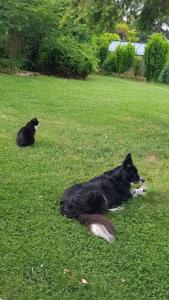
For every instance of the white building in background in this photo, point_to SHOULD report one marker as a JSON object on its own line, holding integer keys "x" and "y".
{"x": 139, "y": 47}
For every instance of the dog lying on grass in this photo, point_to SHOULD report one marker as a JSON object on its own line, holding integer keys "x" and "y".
{"x": 26, "y": 135}
{"x": 89, "y": 201}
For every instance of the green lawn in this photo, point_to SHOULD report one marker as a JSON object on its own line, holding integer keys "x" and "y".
{"x": 86, "y": 128}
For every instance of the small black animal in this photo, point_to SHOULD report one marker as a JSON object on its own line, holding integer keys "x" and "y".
{"x": 26, "y": 135}
{"x": 89, "y": 201}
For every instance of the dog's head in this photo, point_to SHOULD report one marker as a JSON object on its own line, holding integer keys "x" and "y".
{"x": 130, "y": 171}
{"x": 33, "y": 122}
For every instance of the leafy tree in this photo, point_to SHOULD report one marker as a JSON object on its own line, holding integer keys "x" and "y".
{"x": 24, "y": 23}
{"x": 148, "y": 15}
{"x": 153, "y": 15}
{"x": 131, "y": 9}
{"x": 125, "y": 33}
{"x": 101, "y": 16}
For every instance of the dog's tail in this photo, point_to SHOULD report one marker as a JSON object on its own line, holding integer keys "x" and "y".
{"x": 98, "y": 225}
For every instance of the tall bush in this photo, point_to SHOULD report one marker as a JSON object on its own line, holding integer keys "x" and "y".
{"x": 64, "y": 57}
{"x": 155, "y": 56}
{"x": 120, "y": 61}
{"x": 125, "y": 57}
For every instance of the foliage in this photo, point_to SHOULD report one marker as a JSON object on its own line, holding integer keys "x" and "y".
{"x": 138, "y": 60}
{"x": 10, "y": 64}
{"x": 64, "y": 57}
{"x": 125, "y": 33}
{"x": 72, "y": 25}
{"x": 125, "y": 57}
{"x": 146, "y": 15}
{"x": 131, "y": 9}
{"x": 120, "y": 60}
{"x": 25, "y": 24}
{"x": 122, "y": 30}
{"x": 101, "y": 43}
{"x": 100, "y": 16}
{"x": 133, "y": 35}
{"x": 109, "y": 37}
{"x": 91, "y": 53}
{"x": 110, "y": 64}
{"x": 155, "y": 56}
{"x": 164, "y": 77}
{"x": 153, "y": 15}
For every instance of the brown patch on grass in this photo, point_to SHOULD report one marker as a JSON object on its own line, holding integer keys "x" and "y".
{"x": 152, "y": 157}
{"x": 27, "y": 73}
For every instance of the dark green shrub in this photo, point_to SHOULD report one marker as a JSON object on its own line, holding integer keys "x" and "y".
{"x": 125, "y": 57}
{"x": 64, "y": 57}
{"x": 2, "y": 48}
{"x": 138, "y": 60}
{"x": 10, "y": 64}
{"x": 155, "y": 56}
{"x": 110, "y": 64}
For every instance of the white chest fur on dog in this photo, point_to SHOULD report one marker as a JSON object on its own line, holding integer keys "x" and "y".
{"x": 37, "y": 126}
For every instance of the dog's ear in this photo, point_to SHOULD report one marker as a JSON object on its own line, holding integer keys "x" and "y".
{"x": 127, "y": 163}
{"x": 36, "y": 122}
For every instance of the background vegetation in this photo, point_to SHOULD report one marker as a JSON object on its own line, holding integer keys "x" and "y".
{"x": 121, "y": 60}
{"x": 30, "y": 32}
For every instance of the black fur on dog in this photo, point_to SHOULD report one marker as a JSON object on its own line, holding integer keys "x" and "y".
{"x": 89, "y": 201}
{"x": 26, "y": 135}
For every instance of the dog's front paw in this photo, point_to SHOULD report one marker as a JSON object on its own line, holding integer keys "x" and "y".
{"x": 144, "y": 189}
{"x": 119, "y": 208}
{"x": 138, "y": 192}
{"x": 116, "y": 209}
{"x": 141, "y": 191}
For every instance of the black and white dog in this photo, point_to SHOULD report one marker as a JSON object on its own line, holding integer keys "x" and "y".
{"x": 26, "y": 135}
{"x": 89, "y": 201}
